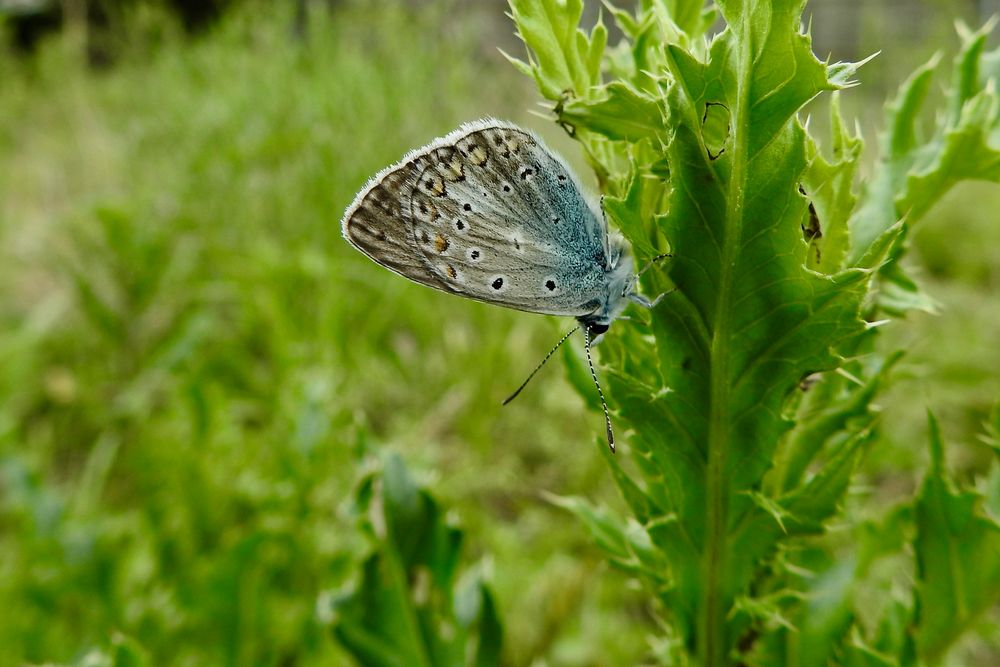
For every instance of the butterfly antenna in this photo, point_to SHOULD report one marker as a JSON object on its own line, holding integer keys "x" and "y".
{"x": 539, "y": 366}
{"x": 604, "y": 404}
{"x": 652, "y": 261}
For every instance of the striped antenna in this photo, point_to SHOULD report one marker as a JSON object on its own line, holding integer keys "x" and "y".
{"x": 539, "y": 366}
{"x": 593, "y": 374}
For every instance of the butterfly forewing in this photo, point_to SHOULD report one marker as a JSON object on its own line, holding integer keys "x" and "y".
{"x": 488, "y": 213}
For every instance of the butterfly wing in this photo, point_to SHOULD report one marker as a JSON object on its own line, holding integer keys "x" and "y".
{"x": 489, "y": 213}
{"x": 378, "y": 222}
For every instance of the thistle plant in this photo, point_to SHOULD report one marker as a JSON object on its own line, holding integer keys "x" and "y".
{"x": 747, "y": 392}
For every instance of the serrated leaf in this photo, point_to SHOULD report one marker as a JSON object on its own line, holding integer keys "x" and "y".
{"x": 958, "y": 557}
{"x": 830, "y": 418}
{"x": 914, "y": 174}
{"x": 632, "y": 211}
{"x": 606, "y": 529}
{"x": 772, "y": 261}
{"x": 562, "y": 56}
{"x": 618, "y": 112}
{"x": 748, "y": 320}
{"x": 689, "y": 17}
{"x": 829, "y": 185}
{"x": 877, "y": 211}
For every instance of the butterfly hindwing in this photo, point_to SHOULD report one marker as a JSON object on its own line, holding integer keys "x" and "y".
{"x": 378, "y": 223}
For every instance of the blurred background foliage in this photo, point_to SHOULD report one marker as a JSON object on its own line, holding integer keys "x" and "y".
{"x": 194, "y": 365}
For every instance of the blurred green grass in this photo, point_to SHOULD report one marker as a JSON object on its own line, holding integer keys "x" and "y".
{"x": 192, "y": 361}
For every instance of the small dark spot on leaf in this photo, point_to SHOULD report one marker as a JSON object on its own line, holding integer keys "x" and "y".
{"x": 811, "y": 230}
{"x": 808, "y": 380}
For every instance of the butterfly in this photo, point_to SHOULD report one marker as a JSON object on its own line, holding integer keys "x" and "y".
{"x": 489, "y": 213}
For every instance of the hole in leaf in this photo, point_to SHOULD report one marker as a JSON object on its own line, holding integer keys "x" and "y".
{"x": 715, "y": 128}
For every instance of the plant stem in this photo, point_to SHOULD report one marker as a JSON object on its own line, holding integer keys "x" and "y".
{"x": 713, "y": 643}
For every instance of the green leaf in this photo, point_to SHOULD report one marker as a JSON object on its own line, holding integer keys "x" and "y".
{"x": 628, "y": 548}
{"x": 127, "y": 652}
{"x": 829, "y": 417}
{"x": 748, "y": 319}
{"x": 405, "y": 609}
{"x": 700, "y": 151}
{"x": 631, "y": 212}
{"x": 914, "y": 174}
{"x": 618, "y": 111}
{"x": 563, "y": 58}
{"x": 829, "y": 185}
{"x": 958, "y": 557}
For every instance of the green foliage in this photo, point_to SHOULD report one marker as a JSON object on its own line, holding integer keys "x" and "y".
{"x": 958, "y": 558}
{"x": 406, "y": 607}
{"x": 185, "y": 336}
{"x": 749, "y": 390}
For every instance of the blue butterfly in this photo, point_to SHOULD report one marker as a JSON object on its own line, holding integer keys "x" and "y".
{"x": 489, "y": 213}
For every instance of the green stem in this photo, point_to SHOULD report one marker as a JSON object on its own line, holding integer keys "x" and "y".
{"x": 713, "y": 642}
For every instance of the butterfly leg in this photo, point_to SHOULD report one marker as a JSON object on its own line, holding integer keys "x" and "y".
{"x": 644, "y": 301}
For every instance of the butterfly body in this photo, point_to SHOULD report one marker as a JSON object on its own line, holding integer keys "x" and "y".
{"x": 487, "y": 212}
